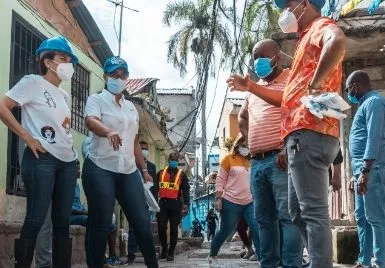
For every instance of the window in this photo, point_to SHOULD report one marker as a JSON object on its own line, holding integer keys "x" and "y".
{"x": 80, "y": 90}
{"x": 24, "y": 41}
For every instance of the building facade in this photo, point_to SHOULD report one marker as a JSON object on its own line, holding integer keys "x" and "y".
{"x": 24, "y": 25}
{"x": 181, "y": 108}
{"x": 228, "y": 128}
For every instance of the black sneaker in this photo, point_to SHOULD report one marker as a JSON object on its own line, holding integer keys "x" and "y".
{"x": 170, "y": 258}
{"x": 129, "y": 261}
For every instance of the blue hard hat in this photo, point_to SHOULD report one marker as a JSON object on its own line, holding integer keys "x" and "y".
{"x": 114, "y": 63}
{"x": 58, "y": 44}
{"x": 317, "y": 3}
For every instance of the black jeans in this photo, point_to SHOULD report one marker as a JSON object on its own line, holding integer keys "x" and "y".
{"x": 211, "y": 231}
{"x": 170, "y": 210}
{"x": 101, "y": 188}
{"x": 47, "y": 178}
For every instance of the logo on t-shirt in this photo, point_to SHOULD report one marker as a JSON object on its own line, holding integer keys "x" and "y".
{"x": 48, "y": 134}
{"x": 49, "y": 100}
{"x": 67, "y": 125}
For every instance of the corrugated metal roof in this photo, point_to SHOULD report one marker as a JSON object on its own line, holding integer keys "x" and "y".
{"x": 175, "y": 91}
{"x": 236, "y": 101}
{"x": 91, "y": 30}
{"x": 134, "y": 86}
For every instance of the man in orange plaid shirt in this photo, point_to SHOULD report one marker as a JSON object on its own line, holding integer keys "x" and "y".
{"x": 311, "y": 143}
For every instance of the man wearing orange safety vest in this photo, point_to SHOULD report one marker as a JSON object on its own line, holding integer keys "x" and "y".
{"x": 174, "y": 199}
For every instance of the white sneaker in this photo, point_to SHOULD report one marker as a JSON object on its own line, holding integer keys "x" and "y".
{"x": 253, "y": 258}
{"x": 213, "y": 262}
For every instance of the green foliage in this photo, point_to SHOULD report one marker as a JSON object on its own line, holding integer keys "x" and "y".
{"x": 195, "y": 23}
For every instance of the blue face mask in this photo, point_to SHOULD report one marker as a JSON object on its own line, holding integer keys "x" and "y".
{"x": 115, "y": 86}
{"x": 173, "y": 164}
{"x": 353, "y": 98}
{"x": 263, "y": 67}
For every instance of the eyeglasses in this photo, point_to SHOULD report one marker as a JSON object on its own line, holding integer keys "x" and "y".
{"x": 116, "y": 75}
{"x": 349, "y": 88}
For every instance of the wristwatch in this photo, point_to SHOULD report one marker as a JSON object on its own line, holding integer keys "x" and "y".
{"x": 364, "y": 170}
{"x": 311, "y": 89}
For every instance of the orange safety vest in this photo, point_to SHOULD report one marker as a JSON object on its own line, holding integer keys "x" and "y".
{"x": 169, "y": 189}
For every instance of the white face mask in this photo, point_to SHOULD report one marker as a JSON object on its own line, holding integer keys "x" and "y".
{"x": 115, "y": 86}
{"x": 64, "y": 71}
{"x": 288, "y": 22}
{"x": 243, "y": 151}
{"x": 145, "y": 153}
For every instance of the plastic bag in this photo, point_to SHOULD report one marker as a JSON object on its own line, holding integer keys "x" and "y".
{"x": 151, "y": 202}
{"x": 327, "y": 104}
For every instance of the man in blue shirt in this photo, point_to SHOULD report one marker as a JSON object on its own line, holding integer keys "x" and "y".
{"x": 367, "y": 150}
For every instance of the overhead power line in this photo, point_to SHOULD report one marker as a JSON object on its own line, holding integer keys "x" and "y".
{"x": 232, "y": 69}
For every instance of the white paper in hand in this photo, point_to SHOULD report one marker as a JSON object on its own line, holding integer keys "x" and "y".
{"x": 327, "y": 104}
{"x": 151, "y": 202}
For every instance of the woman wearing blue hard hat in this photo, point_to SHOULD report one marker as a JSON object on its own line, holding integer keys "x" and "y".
{"x": 110, "y": 170}
{"x": 48, "y": 167}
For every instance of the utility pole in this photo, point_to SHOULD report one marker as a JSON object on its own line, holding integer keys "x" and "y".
{"x": 121, "y": 4}
{"x": 204, "y": 136}
{"x": 120, "y": 27}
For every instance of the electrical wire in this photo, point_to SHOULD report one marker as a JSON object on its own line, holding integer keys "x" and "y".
{"x": 114, "y": 22}
{"x": 212, "y": 103}
{"x": 232, "y": 69}
{"x": 203, "y": 83}
{"x": 190, "y": 80}
{"x": 54, "y": 6}
{"x": 207, "y": 141}
{"x": 236, "y": 24}
{"x": 184, "y": 118}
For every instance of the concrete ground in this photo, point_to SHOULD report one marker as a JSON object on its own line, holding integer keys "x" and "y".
{"x": 186, "y": 262}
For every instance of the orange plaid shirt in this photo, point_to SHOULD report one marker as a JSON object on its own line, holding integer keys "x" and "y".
{"x": 295, "y": 115}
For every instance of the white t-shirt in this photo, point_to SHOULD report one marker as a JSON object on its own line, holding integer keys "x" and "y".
{"x": 45, "y": 115}
{"x": 123, "y": 119}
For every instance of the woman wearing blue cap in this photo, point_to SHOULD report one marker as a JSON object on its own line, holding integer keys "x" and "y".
{"x": 48, "y": 167}
{"x": 110, "y": 169}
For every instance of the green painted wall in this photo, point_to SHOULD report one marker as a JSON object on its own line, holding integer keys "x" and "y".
{"x": 96, "y": 77}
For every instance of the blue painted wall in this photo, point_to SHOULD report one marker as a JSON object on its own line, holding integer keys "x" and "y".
{"x": 198, "y": 208}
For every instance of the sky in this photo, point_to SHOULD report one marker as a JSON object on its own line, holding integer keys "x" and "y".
{"x": 144, "y": 47}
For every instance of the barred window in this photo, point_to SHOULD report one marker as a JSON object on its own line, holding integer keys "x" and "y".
{"x": 80, "y": 90}
{"x": 25, "y": 39}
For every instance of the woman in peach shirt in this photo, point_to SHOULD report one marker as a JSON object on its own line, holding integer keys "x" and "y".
{"x": 233, "y": 196}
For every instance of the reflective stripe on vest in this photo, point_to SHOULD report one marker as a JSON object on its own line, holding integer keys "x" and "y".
{"x": 169, "y": 189}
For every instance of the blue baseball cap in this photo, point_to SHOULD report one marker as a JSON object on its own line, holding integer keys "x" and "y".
{"x": 114, "y": 63}
{"x": 317, "y": 3}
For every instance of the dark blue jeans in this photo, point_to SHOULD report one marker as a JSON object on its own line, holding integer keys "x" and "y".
{"x": 101, "y": 188}
{"x": 47, "y": 178}
{"x": 269, "y": 186}
{"x": 132, "y": 245}
{"x": 231, "y": 214}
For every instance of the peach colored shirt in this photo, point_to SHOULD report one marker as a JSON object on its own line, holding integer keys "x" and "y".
{"x": 264, "y": 118}
{"x": 234, "y": 179}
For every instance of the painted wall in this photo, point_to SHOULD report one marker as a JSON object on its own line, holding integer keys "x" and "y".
{"x": 234, "y": 128}
{"x": 12, "y": 207}
{"x": 180, "y": 106}
{"x": 198, "y": 209}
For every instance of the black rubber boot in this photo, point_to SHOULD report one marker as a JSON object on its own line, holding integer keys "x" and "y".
{"x": 23, "y": 251}
{"x": 61, "y": 252}
{"x": 170, "y": 254}
{"x": 163, "y": 254}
